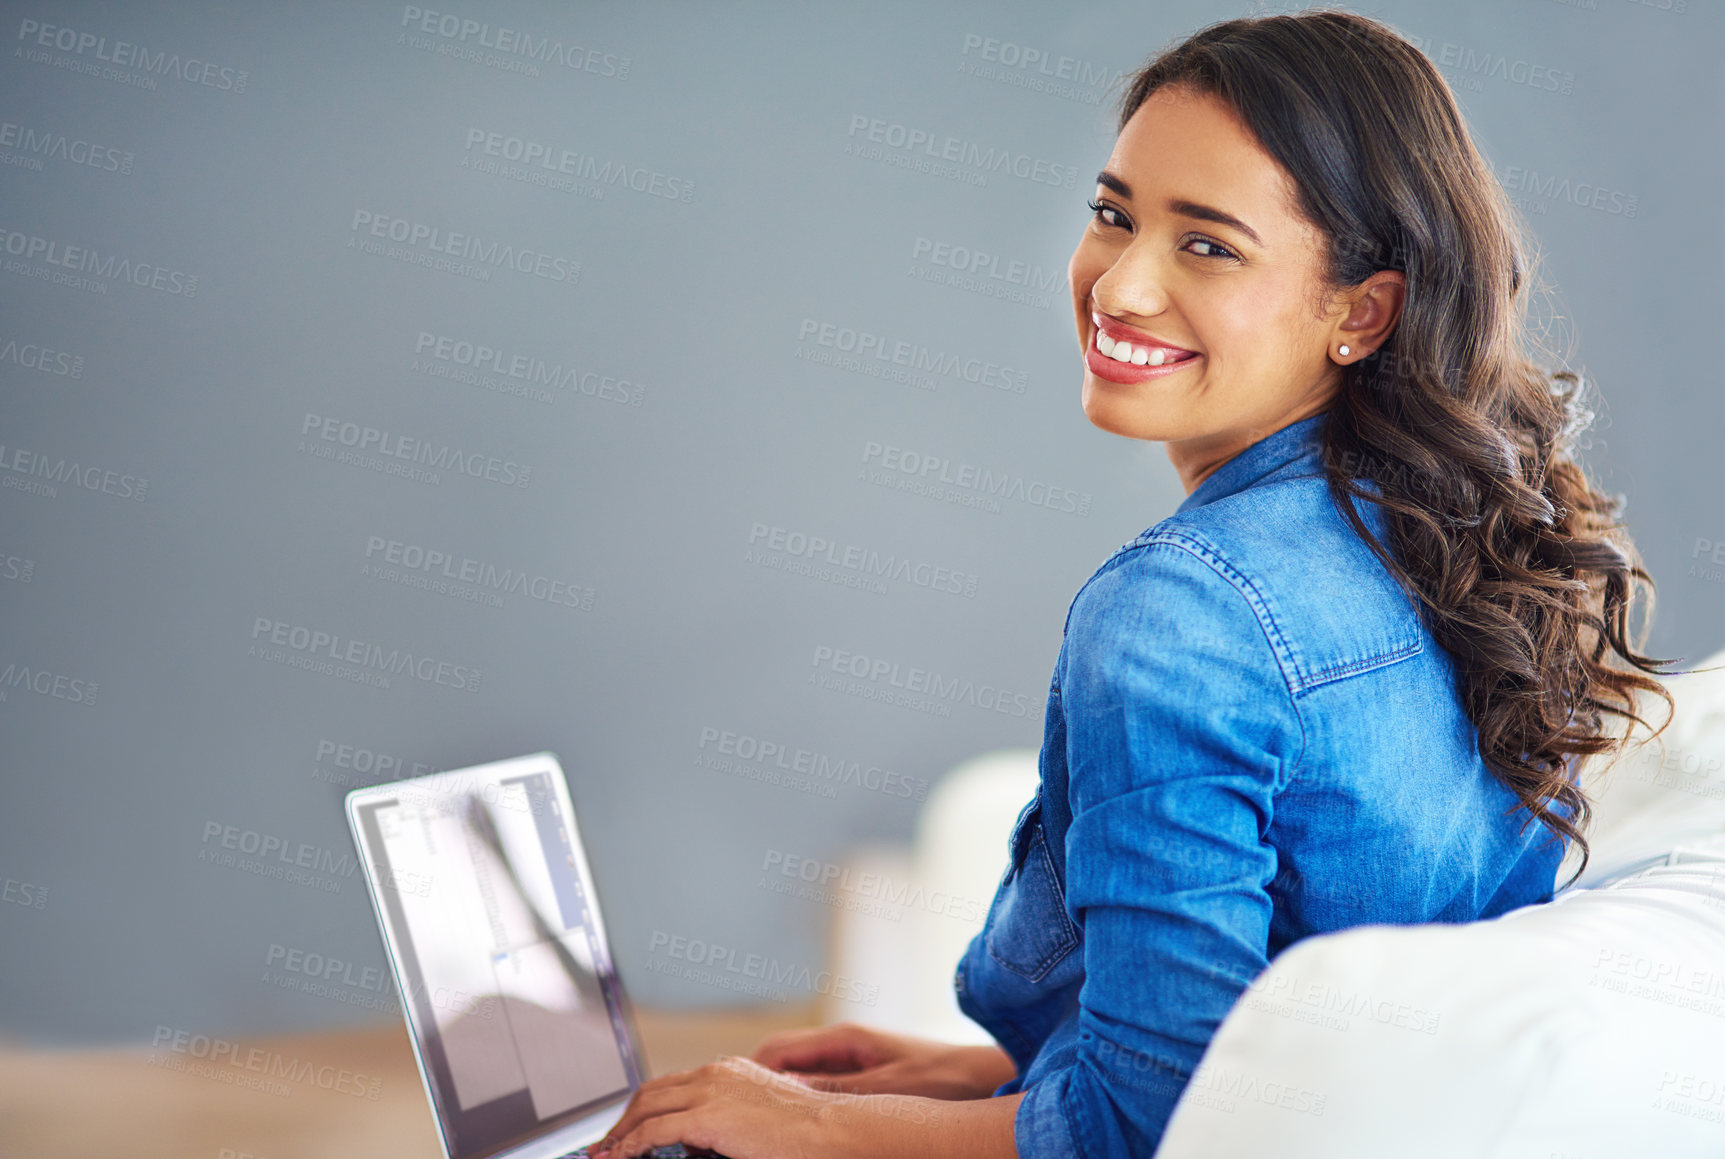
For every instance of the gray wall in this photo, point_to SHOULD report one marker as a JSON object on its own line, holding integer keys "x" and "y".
{"x": 690, "y": 330}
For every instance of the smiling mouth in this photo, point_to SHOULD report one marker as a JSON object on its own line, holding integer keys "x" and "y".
{"x": 1139, "y": 354}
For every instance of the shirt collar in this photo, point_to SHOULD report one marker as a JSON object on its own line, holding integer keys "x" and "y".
{"x": 1291, "y": 450}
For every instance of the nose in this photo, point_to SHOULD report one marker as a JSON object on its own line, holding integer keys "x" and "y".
{"x": 1132, "y": 285}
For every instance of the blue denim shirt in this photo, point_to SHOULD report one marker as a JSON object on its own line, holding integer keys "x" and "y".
{"x": 1250, "y": 738}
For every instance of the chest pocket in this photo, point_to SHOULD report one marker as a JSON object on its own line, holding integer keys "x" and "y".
{"x": 1027, "y": 929}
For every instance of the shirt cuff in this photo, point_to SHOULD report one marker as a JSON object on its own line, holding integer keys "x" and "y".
{"x": 1041, "y": 1129}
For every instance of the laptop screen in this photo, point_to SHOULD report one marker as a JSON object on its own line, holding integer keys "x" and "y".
{"x": 501, "y": 956}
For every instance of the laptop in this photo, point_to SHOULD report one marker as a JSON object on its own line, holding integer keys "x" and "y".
{"x": 524, "y": 1038}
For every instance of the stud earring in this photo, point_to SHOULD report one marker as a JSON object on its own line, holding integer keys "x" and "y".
{"x": 1342, "y": 350}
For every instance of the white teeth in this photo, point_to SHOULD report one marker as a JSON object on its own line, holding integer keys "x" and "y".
{"x": 1136, "y": 355}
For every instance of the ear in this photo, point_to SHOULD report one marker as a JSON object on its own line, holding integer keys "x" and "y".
{"x": 1374, "y": 306}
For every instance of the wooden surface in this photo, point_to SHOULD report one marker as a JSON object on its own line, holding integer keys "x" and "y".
{"x": 143, "y": 1104}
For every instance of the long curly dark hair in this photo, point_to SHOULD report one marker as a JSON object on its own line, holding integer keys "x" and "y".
{"x": 1521, "y": 570}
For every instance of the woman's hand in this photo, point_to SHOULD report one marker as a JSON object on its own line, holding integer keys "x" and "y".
{"x": 859, "y": 1060}
{"x": 746, "y": 1110}
{"x": 734, "y": 1106}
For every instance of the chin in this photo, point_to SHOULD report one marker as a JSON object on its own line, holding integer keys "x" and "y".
{"x": 1129, "y": 418}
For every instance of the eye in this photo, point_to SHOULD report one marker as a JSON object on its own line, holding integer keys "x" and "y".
{"x": 1098, "y": 209}
{"x": 1221, "y": 251}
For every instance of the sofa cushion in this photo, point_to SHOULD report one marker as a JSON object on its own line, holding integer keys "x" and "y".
{"x": 1589, "y": 1026}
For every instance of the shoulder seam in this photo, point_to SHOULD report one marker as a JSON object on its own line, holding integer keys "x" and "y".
{"x": 1206, "y": 554}
{"x": 1212, "y": 558}
{"x": 1302, "y": 677}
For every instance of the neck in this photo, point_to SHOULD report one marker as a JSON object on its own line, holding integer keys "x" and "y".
{"x": 1196, "y": 459}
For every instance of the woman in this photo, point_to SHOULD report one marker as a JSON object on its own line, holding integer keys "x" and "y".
{"x": 1345, "y": 683}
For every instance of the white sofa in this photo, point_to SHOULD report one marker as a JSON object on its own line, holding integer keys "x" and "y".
{"x": 1589, "y": 1027}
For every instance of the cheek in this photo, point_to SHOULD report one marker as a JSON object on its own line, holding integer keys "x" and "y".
{"x": 1089, "y": 262}
{"x": 1254, "y": 322}
{"x": 1079, "y": 280}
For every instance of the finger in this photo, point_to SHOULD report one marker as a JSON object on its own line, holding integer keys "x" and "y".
{"x": 874, "y": 1080}
{"x": 775, "y": 1048}
{"x": 662, "y": 1096}
{"x": 662, "y": 1132}
{"x": 834, "y": 1032}
{"x": 826, "y": 1048}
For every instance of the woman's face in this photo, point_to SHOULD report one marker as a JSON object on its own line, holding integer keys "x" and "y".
{"x": 1198, "y": 245}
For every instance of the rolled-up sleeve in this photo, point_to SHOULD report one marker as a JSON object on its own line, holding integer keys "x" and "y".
{"x": 1180, "y": 731}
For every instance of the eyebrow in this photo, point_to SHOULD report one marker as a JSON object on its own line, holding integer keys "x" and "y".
{"x": 1184, "y": 208}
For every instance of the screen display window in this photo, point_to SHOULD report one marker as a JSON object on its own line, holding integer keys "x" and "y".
{"x": 503, "y": 963}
